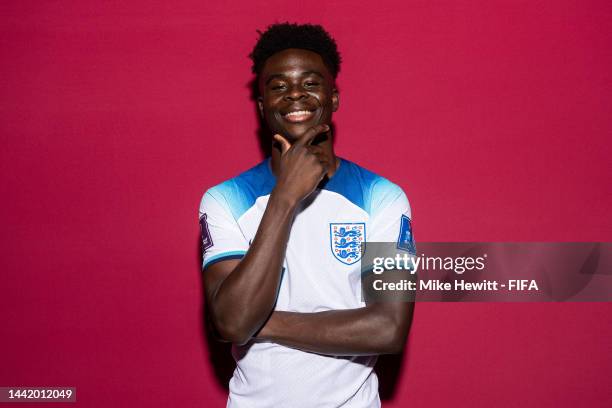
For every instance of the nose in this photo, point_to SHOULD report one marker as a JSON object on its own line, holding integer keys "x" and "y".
{"x": 296, "y": 92}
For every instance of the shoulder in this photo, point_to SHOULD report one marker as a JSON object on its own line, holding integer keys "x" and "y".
{"x": 239, "y": 193}
{"x": 374, "y": 191}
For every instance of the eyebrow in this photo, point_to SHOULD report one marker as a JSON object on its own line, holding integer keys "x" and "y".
{"x": 305, "y": 73}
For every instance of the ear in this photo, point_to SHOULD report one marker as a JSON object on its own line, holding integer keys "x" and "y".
{"x": 260, "y": 106}
{"x": 335, "y": 99}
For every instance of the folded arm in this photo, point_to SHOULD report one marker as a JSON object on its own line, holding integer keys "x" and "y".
{"x": 379, "y": 328}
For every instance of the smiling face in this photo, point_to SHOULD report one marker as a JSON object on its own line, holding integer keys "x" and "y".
{"x": 297, "y": 92}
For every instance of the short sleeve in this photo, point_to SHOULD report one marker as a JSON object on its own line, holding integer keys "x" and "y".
{"x": 392, "y": 218}
{"x": 221, "y": 237}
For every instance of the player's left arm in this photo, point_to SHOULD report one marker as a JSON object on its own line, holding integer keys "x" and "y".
{"x": 377, "y": 328}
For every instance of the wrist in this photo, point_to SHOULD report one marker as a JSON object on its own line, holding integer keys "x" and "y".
{"x": 267, "y": 331}
{"x": 283, "y": 199}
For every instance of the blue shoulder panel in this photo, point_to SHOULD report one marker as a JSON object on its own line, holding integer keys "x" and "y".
{"x": 239, "y": 193}
{"x": 360, "y": 186}
{"x": 365, "y": 189}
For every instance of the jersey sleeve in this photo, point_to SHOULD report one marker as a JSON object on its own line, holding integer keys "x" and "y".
{"x": 221, "y": 237}
{"x": 391, "y": 217}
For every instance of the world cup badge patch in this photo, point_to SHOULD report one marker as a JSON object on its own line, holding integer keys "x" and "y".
{"x": 205, "y": 234}
{"x": 346, "y": 240}
{"x": 405, "y": 240}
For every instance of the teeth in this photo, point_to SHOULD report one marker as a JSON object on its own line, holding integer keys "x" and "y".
{"x": 296, "y": 113}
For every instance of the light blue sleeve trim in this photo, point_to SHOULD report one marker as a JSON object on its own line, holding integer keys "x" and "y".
{"x": 223, "y": 256}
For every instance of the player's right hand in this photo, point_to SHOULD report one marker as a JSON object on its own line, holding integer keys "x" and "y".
{"x": 300, "y": 170}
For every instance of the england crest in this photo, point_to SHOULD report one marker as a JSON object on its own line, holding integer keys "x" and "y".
{"x": 346, "y": 240}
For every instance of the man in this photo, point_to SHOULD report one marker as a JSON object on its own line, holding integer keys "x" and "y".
{"x": 281, "y": 244}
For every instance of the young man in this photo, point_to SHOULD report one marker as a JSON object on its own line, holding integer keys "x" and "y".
{"x": 281, "y": 244}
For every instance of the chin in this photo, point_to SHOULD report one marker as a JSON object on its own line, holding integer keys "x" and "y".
{"x": 294, "y": 132}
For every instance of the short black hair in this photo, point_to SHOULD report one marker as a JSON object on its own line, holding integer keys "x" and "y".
{"x": 280, "y": 36}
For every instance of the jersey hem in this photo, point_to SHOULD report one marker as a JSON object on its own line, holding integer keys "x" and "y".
{"x": 224, "y": 257}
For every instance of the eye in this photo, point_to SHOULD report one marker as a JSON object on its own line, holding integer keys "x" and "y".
{"x": 310, "y": 84}
{"x": 278, "y": 87}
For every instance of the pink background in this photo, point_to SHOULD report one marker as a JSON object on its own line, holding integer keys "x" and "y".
{"x": 494, "y": 116}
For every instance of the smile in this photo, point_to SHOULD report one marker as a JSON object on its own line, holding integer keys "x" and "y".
{"x": 298, "y": 116}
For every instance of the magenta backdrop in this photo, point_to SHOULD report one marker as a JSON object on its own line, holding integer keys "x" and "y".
{"x": 494, "y": 116}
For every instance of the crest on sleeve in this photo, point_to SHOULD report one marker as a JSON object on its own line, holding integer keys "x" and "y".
{"x": 405, "y": 240}
{"x": 346, "y": 239}
{"x": 205, "y": 233}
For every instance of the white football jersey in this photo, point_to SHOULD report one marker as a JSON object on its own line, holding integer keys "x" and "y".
{"x": 321, "y": 272}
